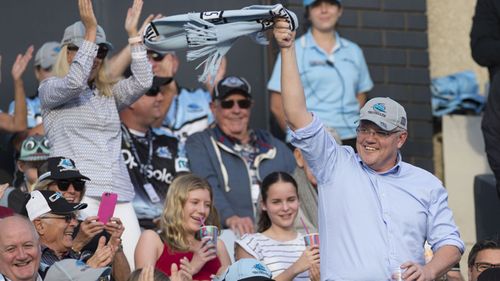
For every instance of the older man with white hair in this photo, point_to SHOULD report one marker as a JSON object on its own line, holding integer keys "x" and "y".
{"x": 19, "y": 250}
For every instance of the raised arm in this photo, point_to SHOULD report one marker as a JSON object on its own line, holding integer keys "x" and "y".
{"x": 18, "y": 122}
{"x": 127, "y": 91}
{"x": 292, "y": 93}
{"x": 119, "y": 62}
{"x": 57, "y": 91}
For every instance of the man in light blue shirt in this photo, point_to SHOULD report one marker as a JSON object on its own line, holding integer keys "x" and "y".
{"x": 375, "y": 211}
{"x": 332, "y": 69}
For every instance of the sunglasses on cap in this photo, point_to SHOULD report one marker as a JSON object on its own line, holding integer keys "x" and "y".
{"x": 243, "y": 104}
{"x": 63, "y": 185}
{"x": 102, "y": 52}
{"x": 155, "y": 56}
{"x": 67, "y": 218}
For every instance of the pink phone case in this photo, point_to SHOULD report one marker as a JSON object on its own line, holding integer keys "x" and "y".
{"x": 107, "y": 206}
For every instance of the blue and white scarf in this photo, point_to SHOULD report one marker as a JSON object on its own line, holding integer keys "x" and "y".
{"x": 211, "y": 34}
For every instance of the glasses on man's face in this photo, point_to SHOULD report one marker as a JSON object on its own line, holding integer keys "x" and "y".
{"x": 63, "y": 185}
{"x": 482, "y": 266}
{"x": 243, "y": 104}
{"x": 67, "y": 218}
{"x": 363, "y": 131}
{"x": 102, "y": 52}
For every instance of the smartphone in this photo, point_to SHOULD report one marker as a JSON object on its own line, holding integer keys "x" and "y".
{"x": 107, "y": 206}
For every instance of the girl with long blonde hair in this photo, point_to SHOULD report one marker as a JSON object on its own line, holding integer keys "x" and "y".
{"x": 189, "y": 204}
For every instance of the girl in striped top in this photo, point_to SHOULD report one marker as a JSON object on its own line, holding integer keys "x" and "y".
{"x": 277, "y": 244}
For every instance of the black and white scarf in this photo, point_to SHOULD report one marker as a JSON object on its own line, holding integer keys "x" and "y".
{"x": 211, "y": 34}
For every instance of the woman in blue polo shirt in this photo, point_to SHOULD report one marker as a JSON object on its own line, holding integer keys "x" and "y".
{"x": 333, "y": 71}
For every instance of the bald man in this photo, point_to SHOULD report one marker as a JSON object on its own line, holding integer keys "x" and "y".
{"x": 19, "y": 250}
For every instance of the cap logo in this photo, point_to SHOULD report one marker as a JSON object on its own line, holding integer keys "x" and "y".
{"x": 54, "y": 197}
{"x": 81, "y": 265}
{"x": 403, "y": 121}
{"x": 233, "y": 82}
{"x": 379, "y": 107}
{"x": 66, "y": 165}
{"x": 259, "y": 269}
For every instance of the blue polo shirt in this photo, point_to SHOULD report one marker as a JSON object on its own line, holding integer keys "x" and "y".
{"x": 34, "y": 110}
{"x": 189, "y": 113}
{"x": 370, "y": 223}
{"x": 331, "y": 81}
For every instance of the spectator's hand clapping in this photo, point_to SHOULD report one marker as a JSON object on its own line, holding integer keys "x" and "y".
{"x": 206, "y": 252}
{"x": 88, "y": 19}
{"x": 102, "y": 256}
{"x": 147, "y": 273}
{"x": 132, "y": 18}
{"x": 21, "y": 62}
{"x": 182, "y": 274}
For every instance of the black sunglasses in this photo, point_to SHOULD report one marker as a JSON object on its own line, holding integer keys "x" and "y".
{"x": 102, "y": 52}
{"x": 153, "y": 92}
{"x": 67, "y": 218}
{"x": 243, "y": 104}
{"x": 155, "y": 56}
{"x": 63, "y": 185}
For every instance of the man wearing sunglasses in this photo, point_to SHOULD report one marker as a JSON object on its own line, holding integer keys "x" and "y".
{"x": 60, "y": 174}
{"x": 375, "y": 210}
{"x": 233, "y": 157}
{"x": 55, "y": 221}
{"x": 484, "y": 254}
{"x": 151, "y": 159}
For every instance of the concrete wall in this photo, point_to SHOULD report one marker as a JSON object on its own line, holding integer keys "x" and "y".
{"x": 450, "y": 22}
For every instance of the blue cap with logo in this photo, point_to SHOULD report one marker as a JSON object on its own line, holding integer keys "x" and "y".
{"x": 46, "y": 56}
{"x": 309, "y": 2}
{"x": 246, "y": 270}
{"x": 385, "y": 113}
{"x": 76, "y": 270}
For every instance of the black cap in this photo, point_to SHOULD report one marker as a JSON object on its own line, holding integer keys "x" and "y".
{"x": 232, "y": 84}
{"x": 47, "y": 201}
{"x": 59, "y": 168}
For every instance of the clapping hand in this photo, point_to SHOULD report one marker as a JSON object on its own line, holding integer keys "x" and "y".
{"x": 21, "y": 62}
